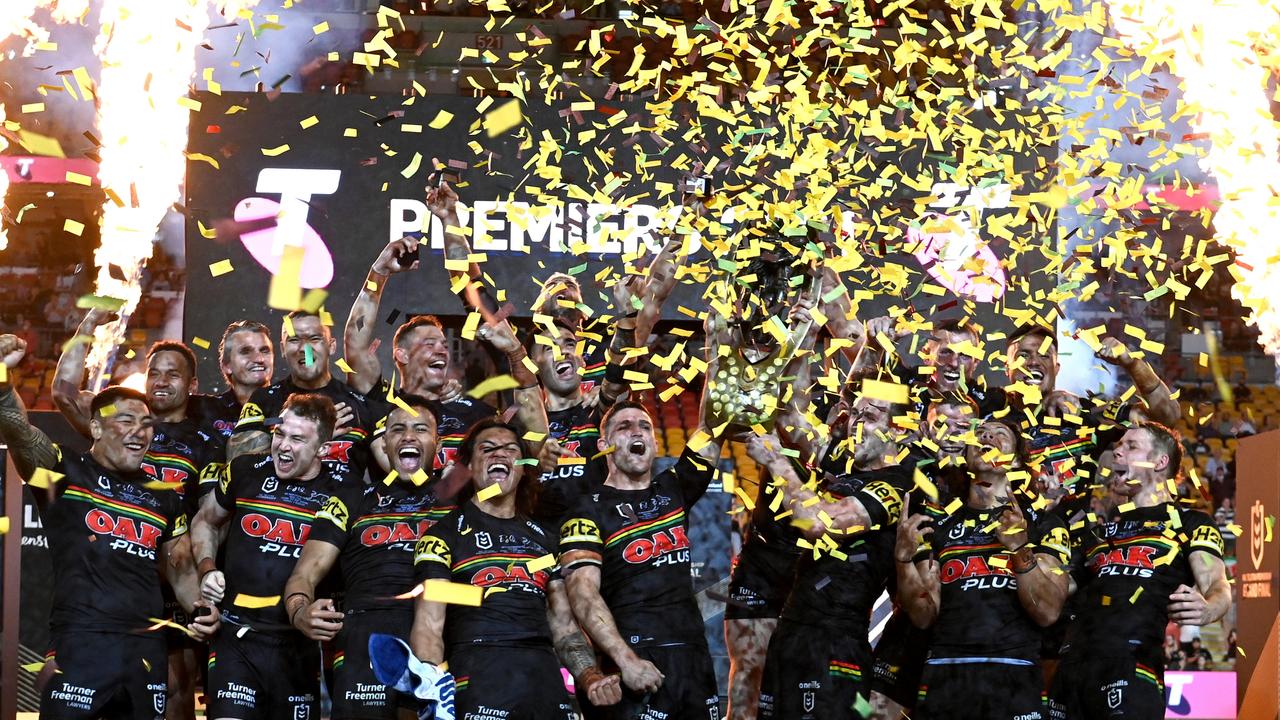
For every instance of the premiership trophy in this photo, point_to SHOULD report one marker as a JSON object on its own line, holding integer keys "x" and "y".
{"x": 745, "y": 383}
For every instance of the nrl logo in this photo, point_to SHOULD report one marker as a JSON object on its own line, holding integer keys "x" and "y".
{"x": 1257, "y": 533}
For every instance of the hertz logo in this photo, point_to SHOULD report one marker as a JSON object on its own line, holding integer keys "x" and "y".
{"x": 579, "y": 530}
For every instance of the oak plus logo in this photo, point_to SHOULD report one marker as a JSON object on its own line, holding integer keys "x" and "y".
{"x": 284, "y": 223}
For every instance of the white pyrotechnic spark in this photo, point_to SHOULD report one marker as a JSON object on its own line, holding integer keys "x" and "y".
{"x": 148, "y": 58}
{"x": 1221, "y": 50}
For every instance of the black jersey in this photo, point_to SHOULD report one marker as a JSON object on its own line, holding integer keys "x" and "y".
{"x": 979, "y": 614}
{"x": 270, "y": 522}
{"x": 376, "y": 529}
{"x": 184, "y": 455}
{"x": 577, "y": 429}
{"x": 222, "y": 412}
{"x": 640, "y": 539}
{"x": 348, "y": 454}
{"x": 513, "y": 559}
{"x": 838, "y": 588}
{"x": 104, "y": 531}
{"x": 455, "y": 419}
{"x": 1127, "y": 569}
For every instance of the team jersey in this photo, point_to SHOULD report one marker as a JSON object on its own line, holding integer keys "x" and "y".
{"x": 640, "y": 540}
{"x": 348, "y": 454}
{"x": 455, "y": 419}
{"x": 838, "y": 588}
{"x": 376, "y": 529}
{"x": 270, "y": 522}
{"x": 1128, "y": 568}
{"x": 513, "y": 559}
{"x": 979, "y": 614}
{"x": 577, "y": 429}
{"x": 594, "y": 359}
{"x": 220, "y": 411}
{"x": 105, "y": 528}
{"x": 184, "y": 455}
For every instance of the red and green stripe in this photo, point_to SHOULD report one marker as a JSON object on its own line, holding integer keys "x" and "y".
{"x": 276, "y": 508}
{"x": 141, "y": 513}
{"x": 671, "y": 519}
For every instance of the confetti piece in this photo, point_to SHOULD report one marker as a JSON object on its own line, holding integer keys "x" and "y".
{"x": 44, "y": 479}
{"x": 77, "y": 179}
{"x": 34, "y": 667}
{"x": 419, "y": 477}
{"x": 413, "y": 166}
{"x": 253, "y": 601}
{"x": 320, "y": 28}
{"x": 546, "y": 562}
{"x": 4, "y": 525}
{"x": 309, "y": 122}
{"x": 889, "y": 392}
{"x": 453, "y": 593}
{"x": 222, "y": 267}
{"x": 442, "y": 119}
{"x": 200, "y": 342}
{"x": 33, "y": 107}
{"x": 489, "y": 492}
{"x": 492, "y": 385}
{"x": 73, "y": 227}
{"x": 285, "y": 291}
{"x": 276, "y": 151}
{"x": 503, "y": 118}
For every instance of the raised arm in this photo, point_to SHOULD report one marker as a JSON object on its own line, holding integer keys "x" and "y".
{"x": 31, "y": 448}
{"x": 595, "y": 618}
{"x": 531, "y": 410}
{"x": 796, "y": 422}
{"x": 442, "y": 201}
{"x": 873, "y": 355}
{"x": 919, "y": 588}
{"x": 248, "y": 442}
{"x": 1161, "y": 406}
{"x": 68, "y": 379}
{"x": 834, "y": 303}
{"x": 359, "y": 336}
{"x": 575, "y": 652}
{"x": 811, "y": 514}
{"x": 206, "y": 536}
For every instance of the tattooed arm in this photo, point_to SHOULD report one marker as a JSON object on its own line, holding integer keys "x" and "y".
{"x": 31, "y": 448}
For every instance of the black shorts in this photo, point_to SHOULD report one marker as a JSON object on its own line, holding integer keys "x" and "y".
{"x": 760, "y": 581}
{"x": 899, "y": 660}
{"x": 981, "y": 691}
{"x": 114, "y": 676}
{"x": 509, "y": 682}
{"x": 356, "y": 693}
{"x": 813, "y": 673}
{"x": 1091, "y": 686}
{"x": 263, "y": 676}
{"x": 689, "y": 690}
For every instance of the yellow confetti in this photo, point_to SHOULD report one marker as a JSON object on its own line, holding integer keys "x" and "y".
{"x": 44, "y": 479}
{"x": 222, "y": 267}
{"x": 503, "y": 118}
{"x": 444, "y": 591}
{"x": 492, "y": 385}
{"x": 442, "y": 119}
{"x": 200, "y": 342}
{"x": 254, "y": 601}
{"x": 546, "y": 562}
{"x": 895, "y": 393}
{"x": 276, "y": 151}
{"x": 309, "y": 122}
{"x": 489, "y": 492}
{"x": 73, "y": 227}
{"x": 320, "y": 28}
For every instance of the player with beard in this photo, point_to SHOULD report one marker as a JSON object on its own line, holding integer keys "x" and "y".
{"x": 370, "y": 532}
{"x": 307, "y": 347}
{"x": 1154, "y": 564}
{"x": 423, "y": 362}
{"x": 985, "y": 575}
{"x": 624, "y": 547}
{"x": 246, "y": 358}
{"x": 260, "y": 667}
{"x": 819, "y": 659}
{"x": 503, "y": 653}
{"x": 903, "y": 647}
{"x": 114, "y": 539}
{"x": 184, "y": 449}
